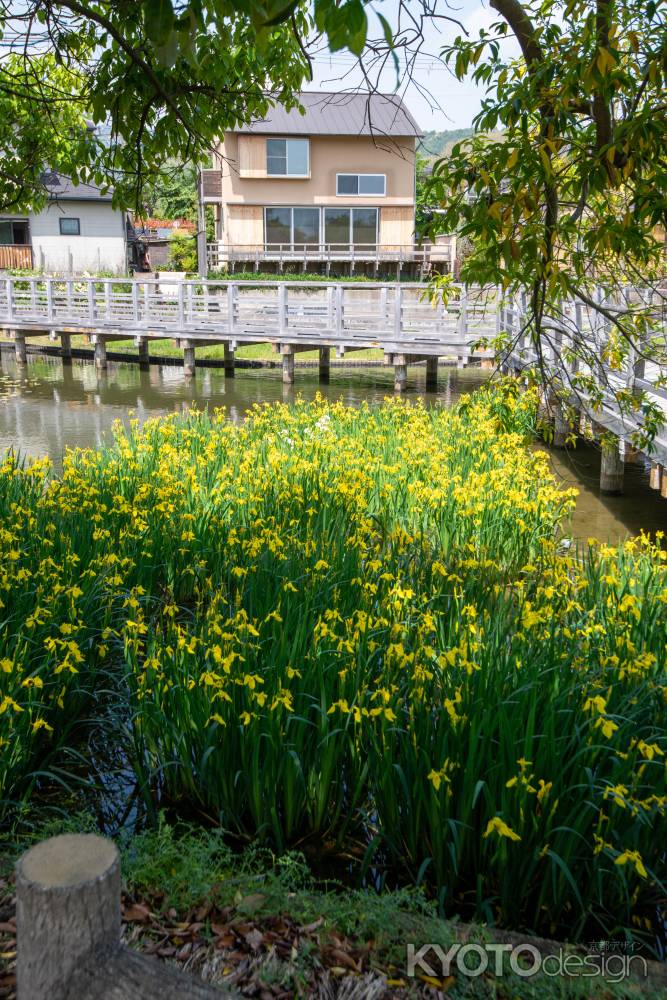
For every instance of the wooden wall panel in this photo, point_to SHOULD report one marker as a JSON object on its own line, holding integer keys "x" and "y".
{"x": 396, "y": 226}
{"x": 252, "y": 156}
{"x": 245, "y": 226}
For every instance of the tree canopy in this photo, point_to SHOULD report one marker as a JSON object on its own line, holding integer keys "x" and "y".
{"x": 173, "y": 194}
{"x": 573, "y": 200}
{"x": 160, "y": 80}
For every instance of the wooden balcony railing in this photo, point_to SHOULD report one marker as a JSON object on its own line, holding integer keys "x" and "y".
{"x": 220, "y": 253}
{"x": 15, "y": 255}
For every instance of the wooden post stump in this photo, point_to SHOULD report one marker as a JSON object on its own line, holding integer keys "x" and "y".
{"x": 67, "y": 911}
{"x": 20, "y": 349}
{"x": 325, "y": 364}
{"x": 611, "y": 466}
{"x": 100, "y": 354}
{"x": 432, "y": 373}
{"x": 68, "y": 930}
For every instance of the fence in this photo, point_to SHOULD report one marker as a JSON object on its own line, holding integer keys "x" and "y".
{"x": 15, "y": 256}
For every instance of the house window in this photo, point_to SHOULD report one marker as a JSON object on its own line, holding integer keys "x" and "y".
{"x": 14, "y": 232}
{"x": 361, "y": 184}
{"x": 278, "y": 225}
{"x": 287, "y": 157}
{"x": 351, "y": 225}
{"x": 292, "y": 228}
{"x": 69, "y": 227}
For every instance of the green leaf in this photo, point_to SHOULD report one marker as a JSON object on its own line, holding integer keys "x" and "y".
{"x": 159, "y": 20}
{"x": 389, "y": 39}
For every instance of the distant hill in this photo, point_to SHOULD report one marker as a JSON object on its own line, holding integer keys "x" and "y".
{"x": 436, "y": 144}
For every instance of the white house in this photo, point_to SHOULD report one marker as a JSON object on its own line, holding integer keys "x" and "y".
{"x": 78, "y": 230}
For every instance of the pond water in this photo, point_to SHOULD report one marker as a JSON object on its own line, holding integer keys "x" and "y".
{"x": 48, "y": 407}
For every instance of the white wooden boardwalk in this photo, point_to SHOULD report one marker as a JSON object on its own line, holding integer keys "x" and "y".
{"x": 581, "y": 323}
{"x": 396, "y": 318}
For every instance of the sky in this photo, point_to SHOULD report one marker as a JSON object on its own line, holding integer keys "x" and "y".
{"x": 435, "y": 97}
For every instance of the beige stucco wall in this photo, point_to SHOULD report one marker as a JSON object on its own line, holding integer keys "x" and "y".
{"x": 329, "y": 155}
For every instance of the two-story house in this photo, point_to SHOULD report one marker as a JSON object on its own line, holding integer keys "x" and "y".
{"x": 336, "y": 184}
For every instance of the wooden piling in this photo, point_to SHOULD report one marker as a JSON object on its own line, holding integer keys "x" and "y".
{"x": 586, "y": 426}
{"x": 432, "y": 373}
{"x": 656, "y": 476}
{"x": 325, "y": 364}
{"x": 288, "y": 366}
{"x": 66, "y": 348}
{"x": 230, "y": 367}
{"x": 67, "y": 911}
{"x": 20, "y": 348}
{"x": 189, "y": 361}
{"x": 143, "y": 353}
{"x": 400, "y": 374}
{"x": 560, "y": 424}
{"x": 611, "y": 466}
{"x": 100, "y": 353}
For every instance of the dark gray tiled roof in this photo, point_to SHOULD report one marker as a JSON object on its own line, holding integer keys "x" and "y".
{"x": 61, "y": 188}
{"x": 339, "y": 114}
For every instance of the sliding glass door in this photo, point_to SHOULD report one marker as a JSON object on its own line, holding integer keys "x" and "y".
{"x": 305, "y": 225}
{"x": 345, "y": 227}
{"x": 291, "y": 228}
{"x": 298, "y": 229}
{"x": 278, "y": 226}
{"x": 364, "y": 226}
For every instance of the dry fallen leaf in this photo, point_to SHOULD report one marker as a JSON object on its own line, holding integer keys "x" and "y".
{"x": 255, "y": 939}
{"x": 137, "y": 913}
{"x": 309, "y": 928}
{"x": 342, "y": 958}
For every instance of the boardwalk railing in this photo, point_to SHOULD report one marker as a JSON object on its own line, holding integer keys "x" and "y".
{"x": 394, "y": 317}
{"x": 577, "y": 343}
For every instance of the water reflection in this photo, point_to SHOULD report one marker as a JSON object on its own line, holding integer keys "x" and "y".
{"x": 48, "y": 407}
